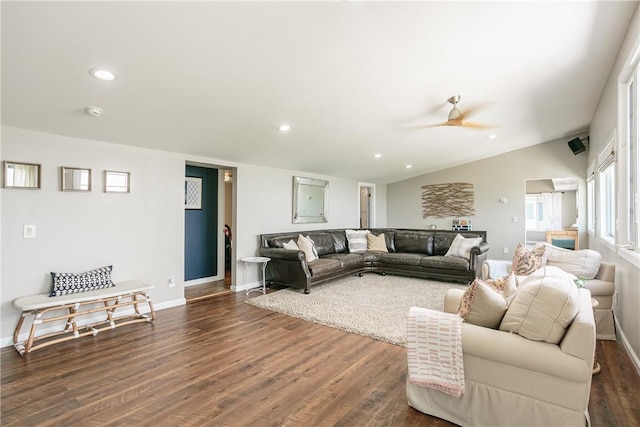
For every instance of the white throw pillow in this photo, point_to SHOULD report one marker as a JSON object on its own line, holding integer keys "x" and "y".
{"x": 461, "y": 247}
{"x": 291, "y": 245}
{"x": 582, "y": 263}
{"x": 544, "y": 306}
{"x": 306, "y": 245}
{"x": 357, "y": 240}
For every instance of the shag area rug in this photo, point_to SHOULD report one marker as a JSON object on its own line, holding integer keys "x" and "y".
{"x": 374, "y": 306}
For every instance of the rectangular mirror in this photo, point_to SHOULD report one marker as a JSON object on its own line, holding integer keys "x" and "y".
{"x": 21, "y": 175}
{"x": 75, "y": 179}
{"x": 310, "y": 197}
{"x": 116, "y": 182}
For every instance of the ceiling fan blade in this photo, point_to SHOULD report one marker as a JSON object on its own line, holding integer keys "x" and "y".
{"x": 414, "y": 128}
{"x": 472, "y": 110}
{"x": 474, "y": 125}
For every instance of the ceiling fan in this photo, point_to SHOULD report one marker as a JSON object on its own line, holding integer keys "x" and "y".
{"x": 457, "y": 117}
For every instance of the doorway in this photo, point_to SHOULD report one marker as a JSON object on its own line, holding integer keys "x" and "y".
{"x": 366, "y": 205}
{"x": 209, "y": 249}
{"x": 551, "y": 209}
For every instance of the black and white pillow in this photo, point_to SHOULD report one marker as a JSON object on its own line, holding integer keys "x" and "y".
{"x": 71, "y": 283}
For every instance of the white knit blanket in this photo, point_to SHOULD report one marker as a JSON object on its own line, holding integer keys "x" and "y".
{"x": 434, "y": 350}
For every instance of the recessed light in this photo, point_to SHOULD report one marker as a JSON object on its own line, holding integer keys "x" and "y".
{"x": 93, "y": 111}
{"x": 284, "y": 127}
{"x": 377, "y": 156}
{"x": 492, "y": 136}
{"x": 102, "y": 74}
{"x": 408, "y": 167}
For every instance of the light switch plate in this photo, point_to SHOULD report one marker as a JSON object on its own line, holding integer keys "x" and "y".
{"x": 29, "y": 232}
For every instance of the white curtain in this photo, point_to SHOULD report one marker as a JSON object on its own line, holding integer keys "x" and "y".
{"x": 552, "y": 205}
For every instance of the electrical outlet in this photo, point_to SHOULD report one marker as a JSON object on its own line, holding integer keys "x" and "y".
{"x": 514, "y": 219}
{"x": 172, "y": 282}
{"x": 505, "y": 250}
{"x": 615, "y": 297}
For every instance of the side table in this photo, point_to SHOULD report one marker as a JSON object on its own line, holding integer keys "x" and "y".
{"x": 596, "y": 364}
{"x": 257, "y": 260}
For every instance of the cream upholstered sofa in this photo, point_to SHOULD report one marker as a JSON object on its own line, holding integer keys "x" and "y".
{"x": 513, "y": 380}
{"x": 585, "y": 263}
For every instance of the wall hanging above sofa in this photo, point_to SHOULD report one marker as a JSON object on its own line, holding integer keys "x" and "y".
{"x": 450, "y": 199}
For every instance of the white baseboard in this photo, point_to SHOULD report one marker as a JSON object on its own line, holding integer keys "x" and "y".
{"x": 627, "y": 346}
{"x": 8, "y": 341}
{"x": 245, "y": 286}
{"x": 202, "y": 281}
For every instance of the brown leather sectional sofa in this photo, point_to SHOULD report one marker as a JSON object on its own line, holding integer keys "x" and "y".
{"x": 411, "y": 252}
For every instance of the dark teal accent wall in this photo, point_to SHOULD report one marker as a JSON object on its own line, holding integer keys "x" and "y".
{"x": 201, "y": 236}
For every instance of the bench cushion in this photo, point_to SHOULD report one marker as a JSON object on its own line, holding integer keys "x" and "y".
{"x": 40, "y": 301}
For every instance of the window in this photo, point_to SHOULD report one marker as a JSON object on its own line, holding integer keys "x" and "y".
{"x": 633, "y": 158}
{"x": 543, "y": 211}
{"x": 607, "y": 178}
{"x": 591, "y": 199}
{"x": 629, "y": 160}
{"x": 534, "y": 212}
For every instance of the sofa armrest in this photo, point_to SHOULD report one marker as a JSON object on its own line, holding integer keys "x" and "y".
{"x": 511, "y": 349}
{"x": 483, "y": 247}
{"x": 494, "y": 268}
{"x": 477, "y": 255}
{"x": 280, "y": 253}
{"x": 580, "y": 338}
{"x": 606, "y": 272}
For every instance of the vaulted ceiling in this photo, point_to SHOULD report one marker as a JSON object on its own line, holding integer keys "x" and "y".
{"x": 352, "y": 79}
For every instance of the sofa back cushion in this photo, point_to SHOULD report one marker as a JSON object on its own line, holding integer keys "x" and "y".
{"x": 544, "y": 306}
{"x": 582, "y": 263}
{"x": 442, "y": 243}
{"x": 414, "y": 242}
{"x": 279, "y": 241}
{"x": 339, "y": 241}
{"x": 324, "y": 243}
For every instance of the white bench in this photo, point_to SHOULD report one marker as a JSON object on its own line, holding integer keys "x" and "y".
{"x": 46, "y": 309}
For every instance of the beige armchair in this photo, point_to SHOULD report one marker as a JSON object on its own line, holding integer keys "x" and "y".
{"x": 602, "y": 286}
{"x": 511, "y": 380}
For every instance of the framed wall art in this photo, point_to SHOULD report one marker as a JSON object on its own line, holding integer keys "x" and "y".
{"x": 192, "y": 192}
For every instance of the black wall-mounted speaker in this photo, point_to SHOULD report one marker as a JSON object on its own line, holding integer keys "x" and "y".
{"x": 576, "y": 146}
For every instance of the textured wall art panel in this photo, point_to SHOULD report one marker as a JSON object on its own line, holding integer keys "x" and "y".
{"x": 451, "y": 199}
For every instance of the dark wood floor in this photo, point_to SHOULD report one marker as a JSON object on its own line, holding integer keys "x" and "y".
{"x": 221, "y": 362}
{"x": 208, "y": 290}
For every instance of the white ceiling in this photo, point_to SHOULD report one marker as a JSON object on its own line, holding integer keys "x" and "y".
{"x": 216, "y": 79}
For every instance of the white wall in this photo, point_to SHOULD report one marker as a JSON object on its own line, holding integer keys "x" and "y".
{"x": 605, "y": 120}
{"x": 264, "y": 205}
{"x": 142, "y": 233}
{"x": 493, "y": 178}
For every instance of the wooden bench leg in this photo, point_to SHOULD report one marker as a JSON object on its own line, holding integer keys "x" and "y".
{"x": 32, "y": 331}
{"x": 71, "y": 311}
{"x": 19, "y": 346}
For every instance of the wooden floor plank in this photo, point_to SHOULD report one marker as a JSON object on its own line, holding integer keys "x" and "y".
{"x": 220, "y": 362}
